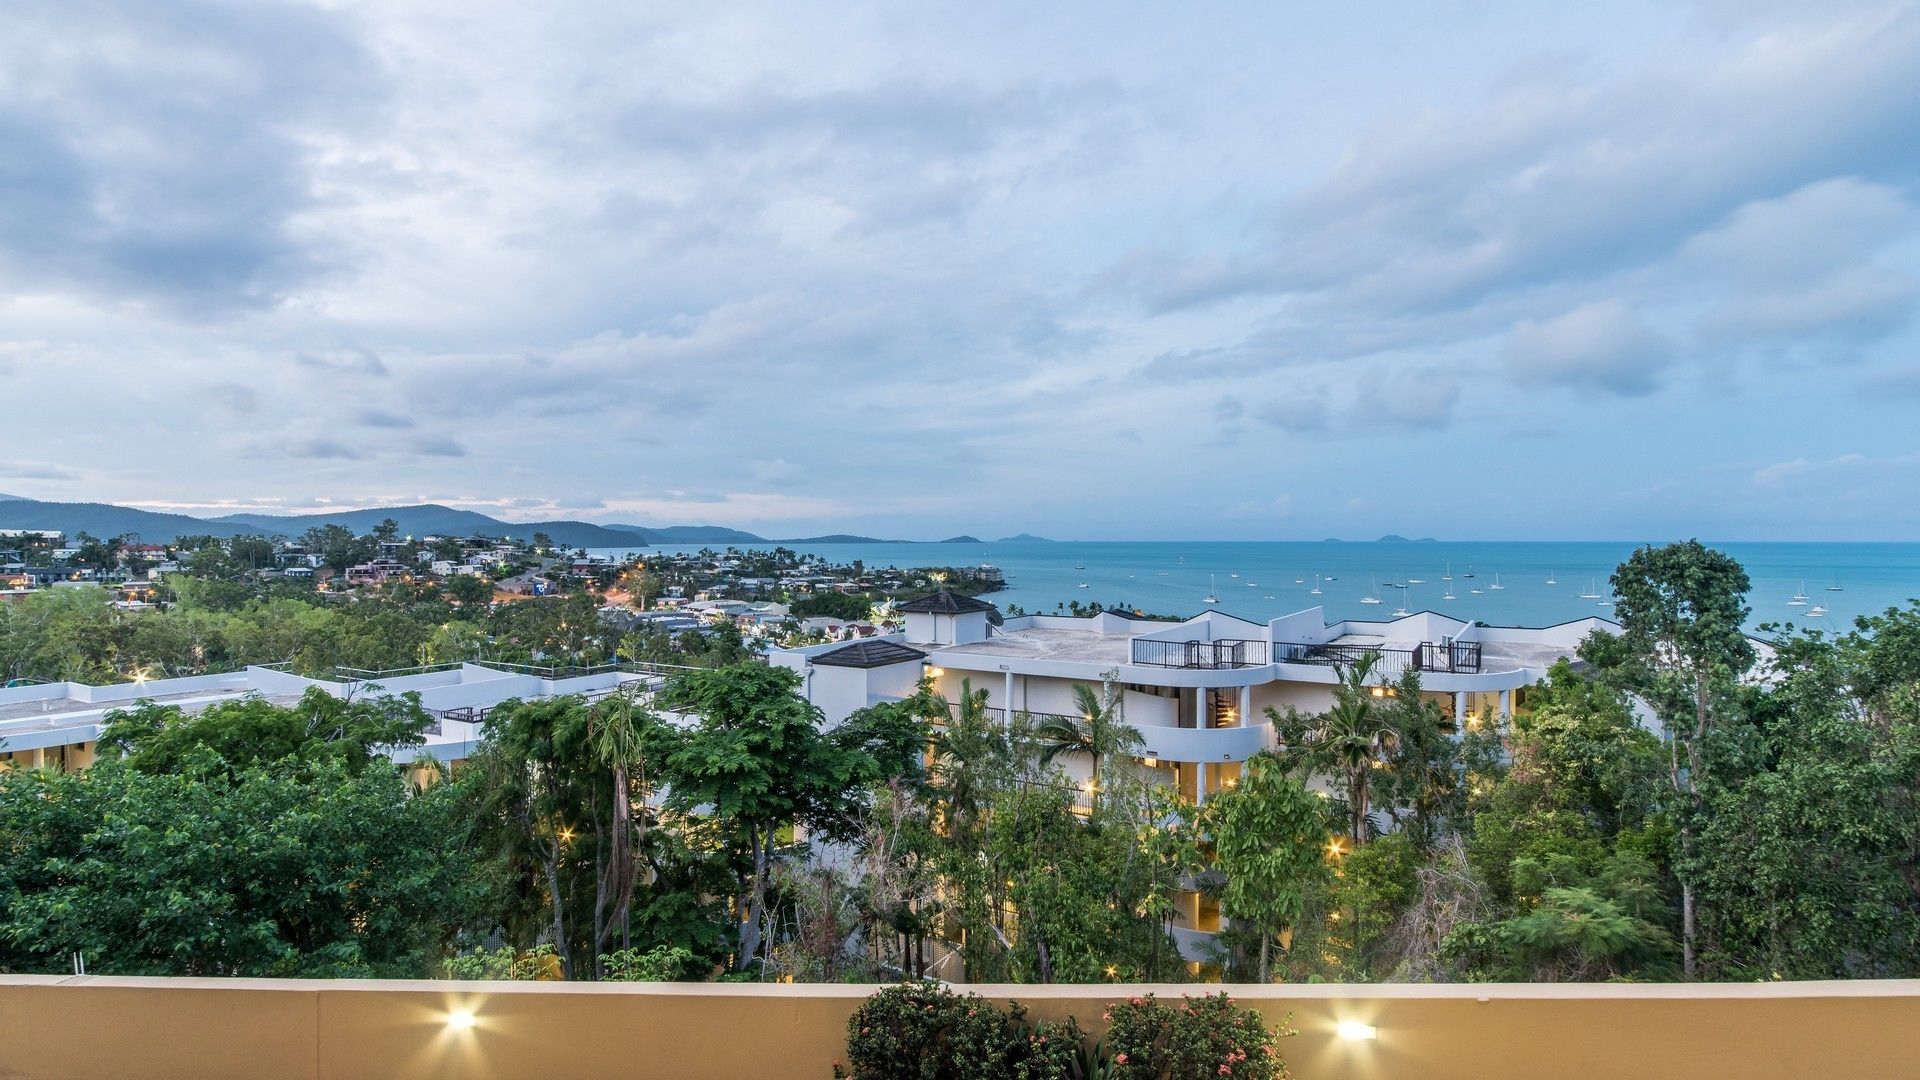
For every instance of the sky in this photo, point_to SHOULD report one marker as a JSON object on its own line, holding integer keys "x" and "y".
{"x": 1472, "y": 270}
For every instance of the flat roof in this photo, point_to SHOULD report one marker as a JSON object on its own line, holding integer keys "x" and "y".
{"x": 1047, "y": 643}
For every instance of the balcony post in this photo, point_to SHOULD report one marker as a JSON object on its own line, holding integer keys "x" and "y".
{"x": 1246, "y": 705}
{"x": 1006, "y": 707}
{"x": 1506, "y": 704}
{"x": 1460, "y": 706}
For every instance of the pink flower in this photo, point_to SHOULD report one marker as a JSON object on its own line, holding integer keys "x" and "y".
{"x": 864, "y": 1030}
{"x": 1119, "y": 1059}
{"x": 1226, "y": 1070}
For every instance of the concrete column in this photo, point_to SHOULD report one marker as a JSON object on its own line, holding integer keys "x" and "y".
{"x": 37, "y": 758}
{"x": 1506, "y": 704}
{"x": 1200, "y": 783}
{"x": 1460, "y": 707}
{"x": 1246, "y": 706}
{"x": 1006, "y": 703}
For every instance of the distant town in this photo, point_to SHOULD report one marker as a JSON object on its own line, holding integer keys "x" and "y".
{"x": 642, "y": 605}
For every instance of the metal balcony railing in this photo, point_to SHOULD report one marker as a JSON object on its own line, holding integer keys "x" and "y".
{"x": 1225, "y": 653}
{"x": 1460, "y": 657}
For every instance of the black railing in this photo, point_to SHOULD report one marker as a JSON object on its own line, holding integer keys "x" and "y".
{"x": 1457, "y": 656}
{"x": 1226, "y": 653}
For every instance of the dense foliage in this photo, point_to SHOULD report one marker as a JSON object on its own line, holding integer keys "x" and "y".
{"x": 1680, "y": 800}
{"x": 925, "y": 1032}
{"x": 203, "y": 852}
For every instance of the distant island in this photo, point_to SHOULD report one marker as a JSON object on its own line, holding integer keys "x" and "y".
{"x": 1023, "y": 538}
{"x": 963, "y": 539}
{"x": 1393, "y": 538}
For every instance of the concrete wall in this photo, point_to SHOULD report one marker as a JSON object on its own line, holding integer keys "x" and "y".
{"x": 59, "y": 1028}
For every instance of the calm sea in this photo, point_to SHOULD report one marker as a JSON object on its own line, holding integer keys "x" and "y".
{"x": 1261, "y": 580}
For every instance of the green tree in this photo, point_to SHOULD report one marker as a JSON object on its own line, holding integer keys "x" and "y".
{"x": 1682, "y": 647}
{"x": 1099, "y": 731}
{"x": 1269, "y": 838}
{"x": 757, "y": 761}
{"x": 1350, "y": 740}
{"x": 470, "y": 590}
{"x": 215, "y": 857}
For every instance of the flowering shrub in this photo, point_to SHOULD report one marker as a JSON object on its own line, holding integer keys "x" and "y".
{"x": 1202, "y": 1038}
{"x": 924, "y": 1032}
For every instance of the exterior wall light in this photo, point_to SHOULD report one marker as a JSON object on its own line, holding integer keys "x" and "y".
{"x": 1355, "y": 1031}
{"x": 461, "y": 1020}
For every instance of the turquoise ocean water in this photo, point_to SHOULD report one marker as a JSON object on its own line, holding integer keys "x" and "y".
{"x": 1276, "y": 578}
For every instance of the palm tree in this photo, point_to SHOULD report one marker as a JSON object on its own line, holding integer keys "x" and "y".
{"x": 619, "y": 731}
{"x": 1100, "y": 731}
{"x": 966, "y": 751}
{"x": 1352, "y": 738}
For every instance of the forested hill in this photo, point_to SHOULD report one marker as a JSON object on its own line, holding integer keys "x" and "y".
{"x": 106, "y": 520}
{"x": 153, "y": 527}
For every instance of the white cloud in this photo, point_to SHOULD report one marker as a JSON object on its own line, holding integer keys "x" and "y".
{"x": 1600, "y": 346}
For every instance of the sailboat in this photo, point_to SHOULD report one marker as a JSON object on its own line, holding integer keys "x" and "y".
{"x": 1448, "y": 594}
{"x": 1416, "y": 581}
{"x": 1551, "y": 580}
{"x": 1084, "y": 585}
{"x": 1835, "y": 587}
{"x": 1401, "y": 612}
{"x": 1298, "y": 580}
{"x": 1799, "y": 598}
{"x": 1210, "y": 597}
{"x": 1371, "y": 598}
{"x": 1469, "y": 572}
{"x": 1591, "y": 593}
{"x": 1448, "y": 576}
{"x": 1816, "y": 612}
{"x": 1496, "y": 586}
{"x": 1316, "y": 585}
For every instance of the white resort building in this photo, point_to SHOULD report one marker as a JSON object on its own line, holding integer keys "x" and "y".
{"x": 1197, "y": 691}
{"x": 57, "y": 725}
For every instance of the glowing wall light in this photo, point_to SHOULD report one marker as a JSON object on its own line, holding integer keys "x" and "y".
{"x": 1355, "y": 1030}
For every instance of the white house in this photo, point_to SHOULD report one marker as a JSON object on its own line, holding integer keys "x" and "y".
{"x": 1197, "y": 691}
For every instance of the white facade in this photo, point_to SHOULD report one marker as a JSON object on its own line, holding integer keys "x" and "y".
{"x": 1197, "y": 691}
{"x": 60, "y": 722}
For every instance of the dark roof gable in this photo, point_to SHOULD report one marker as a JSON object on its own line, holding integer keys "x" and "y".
{"x": 871, "y": 653}
{"x": 944, "y": 602}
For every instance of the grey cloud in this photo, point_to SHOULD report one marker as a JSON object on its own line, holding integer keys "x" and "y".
{"x": 380, "y": 418}
{"x": 236, "y": 397}
{"x": 321, "y": 447}
{"x": 1852, "y": 307}
{"x": 1298, "y": 411}
{"x": 1601, "y": 346}
{"x": 348, "y": 361}
{"x": 1420, "y": 399}
{"x": 37, "y": 470}
{"x": 437, "y": 446}
{"x": 1541, "y": 195}
{"x": 1899, "y": 383}
{"x": 149, "y": 146}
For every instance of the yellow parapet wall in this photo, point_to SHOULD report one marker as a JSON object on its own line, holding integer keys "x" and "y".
{"x": 60, "y": 1028}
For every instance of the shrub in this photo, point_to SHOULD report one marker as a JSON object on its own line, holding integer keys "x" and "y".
{"x": 1204, "y": 1038}
{"x": 925, "y": 1032}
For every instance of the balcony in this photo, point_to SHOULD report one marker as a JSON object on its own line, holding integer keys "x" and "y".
{"x": 1225, "y": 653}
{"x": 1453, "y": 657}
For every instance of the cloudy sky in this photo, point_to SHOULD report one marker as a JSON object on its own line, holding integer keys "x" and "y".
{"x": 1471, "y": 270}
